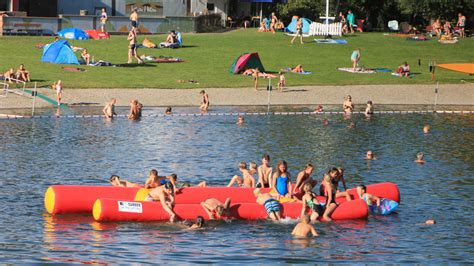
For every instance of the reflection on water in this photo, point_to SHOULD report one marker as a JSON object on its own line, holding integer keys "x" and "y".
{"x": 41, "y": 152}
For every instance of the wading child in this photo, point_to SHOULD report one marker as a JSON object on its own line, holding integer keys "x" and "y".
{"x": 303, "y": 229}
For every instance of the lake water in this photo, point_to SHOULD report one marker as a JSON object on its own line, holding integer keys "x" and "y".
{"x": 37, "y": 153}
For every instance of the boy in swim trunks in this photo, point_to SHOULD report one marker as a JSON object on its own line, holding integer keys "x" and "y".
{"x": 272, "y": 206}
{"x": 165, "y": 195}
{"x": 265, "y": 172}
{"x": 215, "y": 209}
{"x": 247, "y": 180}
{"x": 116, "y": 182}
{"x": 303, "y": 229}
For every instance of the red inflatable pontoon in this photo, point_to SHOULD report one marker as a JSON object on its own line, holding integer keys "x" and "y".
{"x": 118, "y": 210}
{"x": 80, "y": 199}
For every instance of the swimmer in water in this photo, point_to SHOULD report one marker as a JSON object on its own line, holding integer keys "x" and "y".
{"x": 168, "y": 111}
{"x": 304, "y": 229}
{"x": 270, "y": 202}
{"x": 165, "y": 195}
{"x": 420, "y": 158}
{"x": 325, "y": 122}
{"x": 318, "y": 109}
{"x": 310, "y": 202}
{"x": 369, "y": 110}
{"x": 426, "y": 129}
{"x": 430, "y": 222}
{"x": 198, "y": 224}
{"x": 352, "y": 125}
{"x": 116, "y": 182}
{"x": 247, "y": 180}
{"x": 215, "y": 209}
{"x": 240, "y": 120}
{"x": 370, "y": 155}
{"x": 368, "y": 198}
{"x": 348, "y": 106}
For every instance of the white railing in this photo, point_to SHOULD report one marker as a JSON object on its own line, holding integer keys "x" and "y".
{"x": 333, "y": 29}
{"x": 7, "y": 89}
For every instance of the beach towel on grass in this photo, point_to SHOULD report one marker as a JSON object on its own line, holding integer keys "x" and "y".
{"x": 357, "y": 70}
{"x": 384, "y": 70}
{"x": 288, "y": 69}
{"x": 162, "y": 59}
{"x": 330, "y": 41}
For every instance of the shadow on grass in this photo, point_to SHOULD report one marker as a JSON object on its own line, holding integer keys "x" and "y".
{"x": 295, "y": 90}
{"x": 188, "y": 46}
{"x": 135, "y": 65}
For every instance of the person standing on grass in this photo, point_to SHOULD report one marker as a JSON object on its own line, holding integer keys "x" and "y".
{"x": 461, "y": 24}
{"x": 59, "y": 91}
{"x": 255, "y": 78}
{"x": 299, "y": 30}
{"x": 134, "y": 19}
{"x": 132, "y": 47}
{"x": 103, "y": 20}
{"x": 109, "y": 109}
{"x": 205, "y": 101}
{"x": 355, "y": 58}
{"x": 350, "y": 20}
{"x": 273, "y": 22}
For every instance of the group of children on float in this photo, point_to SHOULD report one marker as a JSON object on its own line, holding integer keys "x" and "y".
{"x": 271, "y": 189}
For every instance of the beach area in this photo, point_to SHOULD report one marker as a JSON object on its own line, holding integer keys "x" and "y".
{"x": 454, "y": 95}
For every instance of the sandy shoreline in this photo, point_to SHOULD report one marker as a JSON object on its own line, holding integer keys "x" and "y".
{"x": 448, "y": 94}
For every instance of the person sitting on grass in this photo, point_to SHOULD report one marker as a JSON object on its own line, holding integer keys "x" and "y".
{"x": 303, "y": 229}
{"x": 263, "y": 26}
{"x": 404, "y": 70}
{"x": 437, "y": 28}
{"x": 86, "y": 56}
{"x": 22, "y": 74}
{"x": 297, "y": 69}
{"x": 215, "y": 209}
{"x": 9, "y": 75}
{"x": 279, "y": 26}
{"x": 247, "y": 180}
{"x": 171, "y": 38}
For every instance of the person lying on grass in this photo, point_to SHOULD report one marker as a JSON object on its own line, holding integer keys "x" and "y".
{"x": 297, "y": 69}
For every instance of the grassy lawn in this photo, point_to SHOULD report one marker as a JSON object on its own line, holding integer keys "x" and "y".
{"x": 209, "y": 57}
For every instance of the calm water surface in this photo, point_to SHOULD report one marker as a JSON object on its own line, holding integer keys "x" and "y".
{"x": 37, "y": 153}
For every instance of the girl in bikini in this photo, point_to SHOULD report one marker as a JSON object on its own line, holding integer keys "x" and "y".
{"x": 330, "y": 192}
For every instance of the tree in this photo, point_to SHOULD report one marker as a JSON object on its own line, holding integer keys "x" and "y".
{"x": 434, "y": 9}
{"x": 303, "y": 8}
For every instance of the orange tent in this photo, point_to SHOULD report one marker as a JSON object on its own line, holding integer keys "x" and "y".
{"x": 467, "y": 68}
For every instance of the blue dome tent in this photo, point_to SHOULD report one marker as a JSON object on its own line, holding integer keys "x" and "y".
{"x": 73, "y": 34}
{"x": 59, "y": 52}
{"x": 292, "y": 26}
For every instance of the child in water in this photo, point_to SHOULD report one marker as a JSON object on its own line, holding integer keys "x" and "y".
{"x": 368, "y": 198}
{"x": 420, "y": 158}
{"x": 303, "y": 229}
{"x": 198, "y": 224}
{"x": 310, "y": 201}
{"x": 272, "y": 206}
